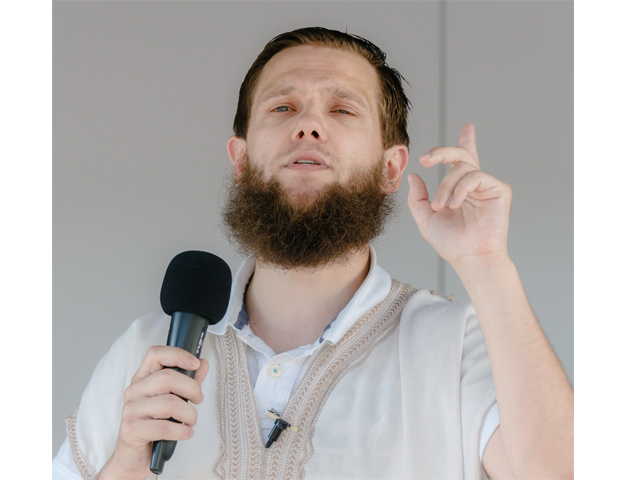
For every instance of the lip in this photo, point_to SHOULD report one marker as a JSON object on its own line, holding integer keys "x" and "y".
{"x": 307, "y": 155}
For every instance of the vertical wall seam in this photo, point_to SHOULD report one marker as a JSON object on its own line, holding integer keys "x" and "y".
{"x": 442, "y": 113}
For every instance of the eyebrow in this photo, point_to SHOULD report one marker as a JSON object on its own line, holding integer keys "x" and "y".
{"x": 336, "y": 91}
{"x": 279, "y": 92}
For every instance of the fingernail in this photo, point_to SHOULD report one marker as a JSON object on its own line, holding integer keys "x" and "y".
{"x": 437, "y": 200}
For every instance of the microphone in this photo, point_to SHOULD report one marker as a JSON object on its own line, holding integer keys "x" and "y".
{"x": 195, "y": 292}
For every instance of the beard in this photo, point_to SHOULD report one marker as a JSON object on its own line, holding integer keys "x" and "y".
{"x": 293, "y": 230}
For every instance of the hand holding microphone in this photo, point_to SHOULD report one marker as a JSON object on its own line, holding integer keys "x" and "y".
{"x": 155, "y": 394}
{"x": 155, "y": 415}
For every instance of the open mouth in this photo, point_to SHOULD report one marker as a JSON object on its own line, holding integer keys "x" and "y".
{"x": 306, "y": 162}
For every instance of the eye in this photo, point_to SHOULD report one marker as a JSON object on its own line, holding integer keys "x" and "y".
{"x": 341, "y": 111}
{"x": 277, "y": 109}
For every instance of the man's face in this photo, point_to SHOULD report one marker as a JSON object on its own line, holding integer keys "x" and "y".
{"x": 312, "y": 182}
{"x": 314, "y": 104}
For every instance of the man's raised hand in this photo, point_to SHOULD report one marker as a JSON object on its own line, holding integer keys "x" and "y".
{"x": 474, "y": 226}
{"x": 153, "y": 396}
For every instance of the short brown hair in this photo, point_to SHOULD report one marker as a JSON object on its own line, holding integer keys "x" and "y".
{"x": 393, "y": 104}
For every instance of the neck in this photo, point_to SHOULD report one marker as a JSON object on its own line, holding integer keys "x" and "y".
{"x": 291, "y": 308}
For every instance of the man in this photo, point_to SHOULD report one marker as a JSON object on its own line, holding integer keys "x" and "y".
{"x": 377, "y": 379}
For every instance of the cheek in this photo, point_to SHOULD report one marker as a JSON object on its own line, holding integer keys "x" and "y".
{"x": 273, "y": 127}
{"x": 266, "y": 143}
{"x": 365, "y": 138}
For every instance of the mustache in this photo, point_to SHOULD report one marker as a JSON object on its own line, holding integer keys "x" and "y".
{"x": 311, "y": 148}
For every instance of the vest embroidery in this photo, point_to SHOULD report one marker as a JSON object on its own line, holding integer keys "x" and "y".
{"x": 239, "y": 426}
{"x": 80, "y": 460}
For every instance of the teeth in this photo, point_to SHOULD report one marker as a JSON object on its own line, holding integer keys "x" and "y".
{"x": 307, "y": 162}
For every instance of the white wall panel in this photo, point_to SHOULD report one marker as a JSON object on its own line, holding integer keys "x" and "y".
{"x": 510, "y": 72}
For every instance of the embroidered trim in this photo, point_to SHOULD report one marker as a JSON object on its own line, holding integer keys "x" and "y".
{"x": 451, "y": 297}
{"x": 218, "y": 469}
{"x": 240, "y": 437}
{"x": 332, "y": 364}
{"x": 80, "y": 460}
{"x": 239, "y": 426}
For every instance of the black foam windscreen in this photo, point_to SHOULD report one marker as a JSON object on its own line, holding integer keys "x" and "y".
{"x": 197, "y": 282}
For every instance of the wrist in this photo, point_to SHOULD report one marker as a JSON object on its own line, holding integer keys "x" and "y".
{"x": 495, "y": 289}
{"x": 113, "y": 471}
{"x": 482, "y": 268}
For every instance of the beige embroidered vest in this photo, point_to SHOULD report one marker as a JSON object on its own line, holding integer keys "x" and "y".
{"x": 356, "y": 414}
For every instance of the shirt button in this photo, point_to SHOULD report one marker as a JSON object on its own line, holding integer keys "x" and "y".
{"x": 275, "y": 371}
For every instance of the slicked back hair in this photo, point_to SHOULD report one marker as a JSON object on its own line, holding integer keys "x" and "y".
{"x": 393, "y": 105}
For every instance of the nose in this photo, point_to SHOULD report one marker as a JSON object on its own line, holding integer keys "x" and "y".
{"x": 309, "y": 127}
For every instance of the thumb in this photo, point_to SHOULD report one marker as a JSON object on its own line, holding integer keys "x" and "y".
{"x": 418, "y": 202}
{"x": 200, "y": 373}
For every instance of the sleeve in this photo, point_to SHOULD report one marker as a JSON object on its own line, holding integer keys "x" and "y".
{"x": 92, "y": 429}
{"x": 63, "y": 467}
{"x": 477, "y": 392}
{"x": 491, "y": 422}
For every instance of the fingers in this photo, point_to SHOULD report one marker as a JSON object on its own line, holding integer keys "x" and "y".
{"x": 449, "y": 184}
{"x": 136, "y": 432}
{"x": 464, "y": 181}
{"x": 448, "y": 155}
{"x": 164, "y": 382}
{"x": 479, "y": 186}
{"x": 155, "y": 394}
{"x": 161, "y": 356}
{"x": 463, "y": 159}
{"x": 161, "y": 407}
{"x": 466, "y": 152}
{"x": 467, "y": 141}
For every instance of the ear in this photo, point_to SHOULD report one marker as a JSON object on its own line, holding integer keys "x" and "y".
{"x": 237, "y": 148}
{"x": 395, "y": 162}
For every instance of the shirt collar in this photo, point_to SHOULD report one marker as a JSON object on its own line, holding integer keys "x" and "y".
{"x": 373, "y": 290}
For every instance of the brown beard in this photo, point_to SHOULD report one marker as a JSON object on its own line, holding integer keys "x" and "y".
{"x": 306, "y": 233}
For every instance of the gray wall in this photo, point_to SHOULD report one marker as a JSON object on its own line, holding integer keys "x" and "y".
{"x": 144, "y": 95}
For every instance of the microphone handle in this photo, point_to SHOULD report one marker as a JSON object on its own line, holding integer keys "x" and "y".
{"x": 186, "y": 331}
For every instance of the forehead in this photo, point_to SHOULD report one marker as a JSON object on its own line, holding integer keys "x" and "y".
{"x": 309, "y": 67}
